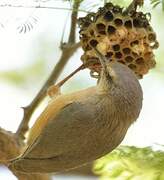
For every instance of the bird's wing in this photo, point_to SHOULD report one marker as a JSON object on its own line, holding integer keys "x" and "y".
{"x": 53, "y": 108}
{"x": 63, "y": 137}
{"x": 73, "y": 137}
{"x": 63, "y": 132}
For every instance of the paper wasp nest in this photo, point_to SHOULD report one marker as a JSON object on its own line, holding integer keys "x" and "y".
{"x": 124, "y": 37}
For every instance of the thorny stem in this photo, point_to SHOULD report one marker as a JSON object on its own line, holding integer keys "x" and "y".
{"x": 68, "y": 50}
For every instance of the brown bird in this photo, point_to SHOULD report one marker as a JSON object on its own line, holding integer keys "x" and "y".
{"x": 78, "y": 128}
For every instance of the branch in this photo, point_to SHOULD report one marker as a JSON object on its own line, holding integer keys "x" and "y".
{"x": 133, "y": 5}
{"x": 11, "y": 144}
{"x": 74, "y": 15}
{"x": 68, "y": 50}
{"x": 9, "y": 149}
{"x": 40, "y": 7}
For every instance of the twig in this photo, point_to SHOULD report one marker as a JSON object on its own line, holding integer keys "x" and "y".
{"x": 67, "y": 51}
{"x": 40, "y": 7}
{"x": 74, "y": 15}
{"x": 9, "y": 146}
{"x": 133, "y": 6}
{"x": 9, "y": 149}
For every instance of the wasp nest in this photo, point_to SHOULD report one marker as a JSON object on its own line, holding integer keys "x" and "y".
{"x": 124, "y": 37}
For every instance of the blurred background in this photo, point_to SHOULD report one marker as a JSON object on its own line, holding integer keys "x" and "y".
{"x": 27, "y": 58}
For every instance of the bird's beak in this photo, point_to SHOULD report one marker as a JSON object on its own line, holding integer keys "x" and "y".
{"x": 102, "y": 58}
{"x": 109, "y": 72}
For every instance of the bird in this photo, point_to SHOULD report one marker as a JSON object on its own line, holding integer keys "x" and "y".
{"x": 80, "y": 127}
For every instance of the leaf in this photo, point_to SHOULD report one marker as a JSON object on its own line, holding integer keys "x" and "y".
{"x": 156, "y": 4}
{"x": 129, "y": 162}
{"x": 27, "y": 25}
{"x": 154, "y": 1}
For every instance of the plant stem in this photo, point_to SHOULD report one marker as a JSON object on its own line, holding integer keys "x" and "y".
{"x": 68, "y": 50}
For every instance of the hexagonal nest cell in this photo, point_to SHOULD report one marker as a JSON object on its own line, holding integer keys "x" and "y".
{"x": 124, "y": 37}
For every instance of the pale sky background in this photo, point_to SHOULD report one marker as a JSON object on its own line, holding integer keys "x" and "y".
{"x": 18, "y": 50}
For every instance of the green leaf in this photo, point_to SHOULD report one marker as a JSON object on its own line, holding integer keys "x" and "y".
{"x": 156, "y": 4}
{"x": 129, "y": 162}
{"x": 154, "y": 1}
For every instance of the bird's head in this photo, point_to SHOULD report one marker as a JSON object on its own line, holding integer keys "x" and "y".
{"x": 116, "y": 75}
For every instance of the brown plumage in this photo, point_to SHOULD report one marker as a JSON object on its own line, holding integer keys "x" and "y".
{"x": 78, "y": 128}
